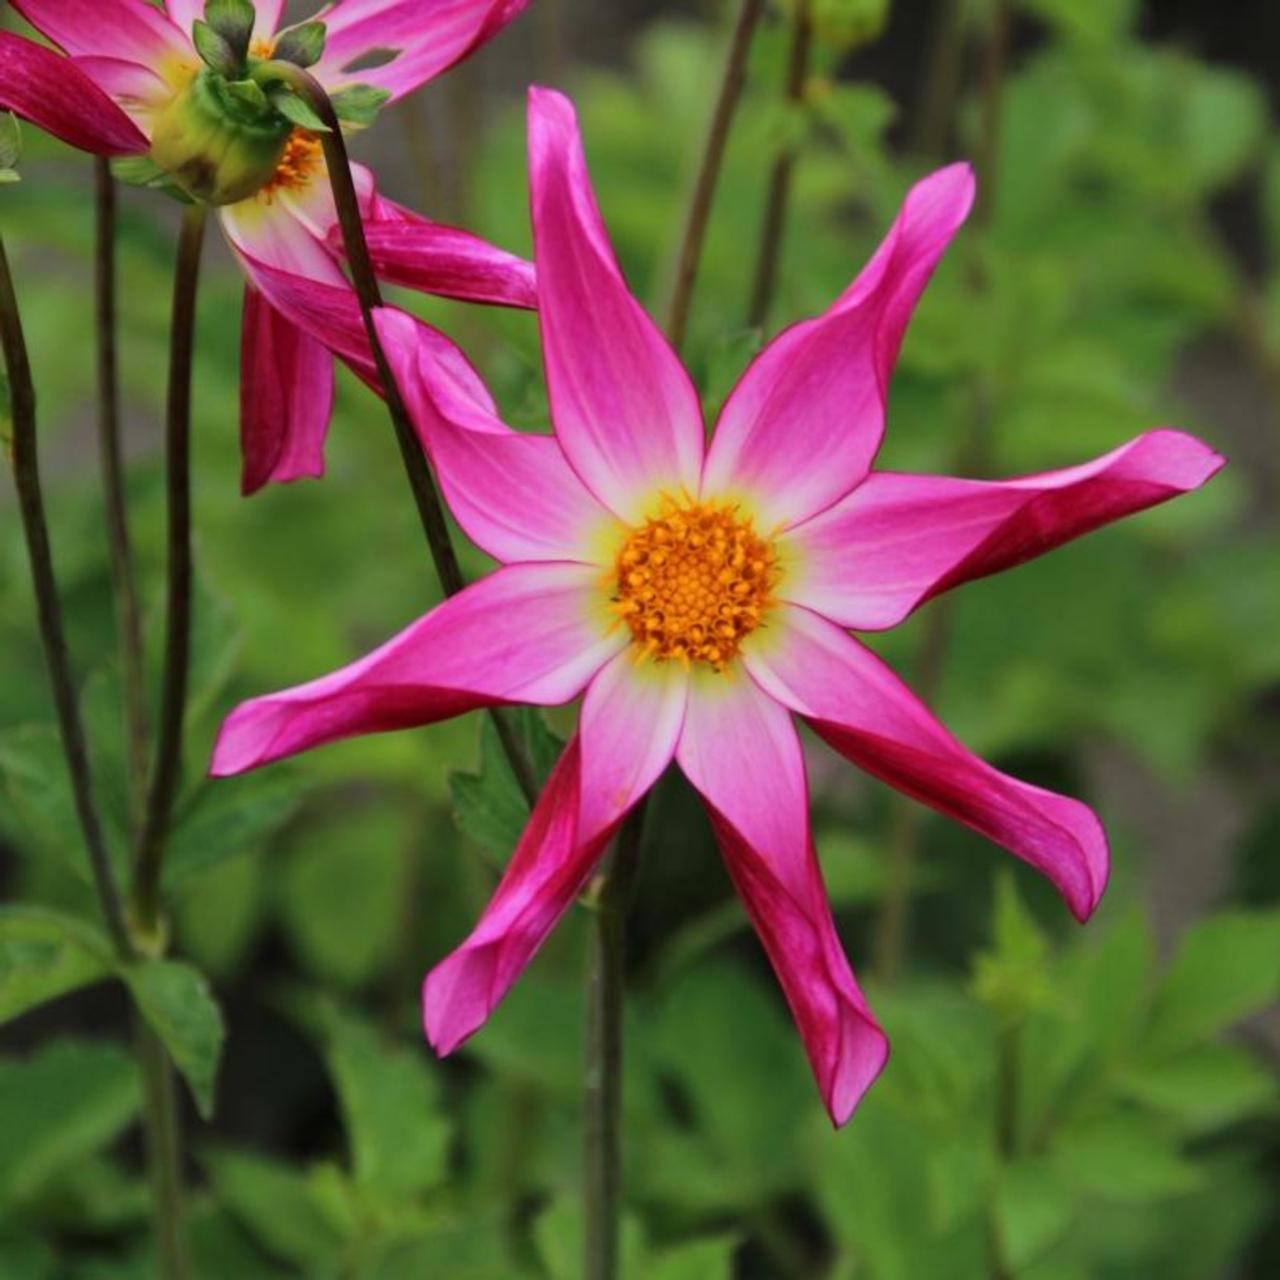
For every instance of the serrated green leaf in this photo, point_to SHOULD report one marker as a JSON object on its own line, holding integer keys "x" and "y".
{"x": 359, "y": 104}
{"x": 289, "y": 105}
{"x": 44, "y": 954}
{"x": 302, "y": 45}
{"x": 1226, "y": 968}
{"x": 59, "y": 1106}
{"x": 176, "y": 1001}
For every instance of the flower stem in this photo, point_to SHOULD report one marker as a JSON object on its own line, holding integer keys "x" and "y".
{"x": 609, "y": 896}
{"x": 783, "y": 166}
{"x": 173, "y": 692}
{"x": 164, "y": 1155}
{"x": 421, "y": 482}
{"x": 123, "y": 576}
{"x": 695, "y": 229}
{"x": 26, "y": 478}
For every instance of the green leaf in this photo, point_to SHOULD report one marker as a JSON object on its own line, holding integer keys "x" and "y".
{"x": 1033, "y": 1209}
{"x": 219, "y": 914}
{"x": 1206, "y": 1088}
{"x": 302, "y": 45}
{"x": 488, "y": 805}
{"x": 359, "y": 104}
{"x": 1227, "y": 968}
{"x": 176, "y": 1000}
{"x": 391, "y": 1106}
{"x": 60, "y": 1106}
{"x": 10, "y": 140}
{"x": 292, "y": 107}
{"x": 215, "y": 50}
{"x": 1123, "y": 1157}
{"x": 233, "y": 20}
{"x": 1012, "y": 977}
{"x": 704, "y": 1260}
{"x": 44, "y": 954}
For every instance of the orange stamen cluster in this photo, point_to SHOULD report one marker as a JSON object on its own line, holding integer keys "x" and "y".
{"x": 303, "y": 156}
{"x": 694, "y": 581}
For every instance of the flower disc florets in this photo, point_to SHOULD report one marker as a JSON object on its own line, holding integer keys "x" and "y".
{"x": 694, "y": 581}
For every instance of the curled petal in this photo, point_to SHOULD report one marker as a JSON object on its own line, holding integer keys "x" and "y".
{"x": 740, "y": 750}
{"x": 398, "y": 45}
{"x": 630, "y": 722}
{"x": 514, "y": 494}
{"x": 624, "y": 410}
{"x": 898, "y": 540}
{"x": 801, "y": 428}
{"x": 867, "y": 714}
{"x": 527, "y": 633}
{"x": 130, "y": 30}
{"x": 286, "y": 397}
{"x": 53, "y": 93}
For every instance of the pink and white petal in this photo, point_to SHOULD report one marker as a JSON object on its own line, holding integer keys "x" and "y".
{"x": 286, "y": 397}
{"x": 740, "y": 750}
{"x": 859, "y": 706}
{"x": 50, "y": 91}
{"x": 514, "y": 494}
{"x": 268, "y": 231}
{"x": 185, "y": 12}
{"x": 630, "y": 723}
{"x": 422, "y": 37}
{"x": 434, "y": 258}
{"x": 312, "y": 202}
{"x": 136, "y": 90}
{"x": 624, "y": 410}
{"x": 802, "y": 426}
{"x": 898, "y": 540}
{"x": 130, "y": 30}
{"x": 533, "y": 633}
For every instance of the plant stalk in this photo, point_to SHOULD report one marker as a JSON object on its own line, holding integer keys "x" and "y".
{"x": 779, "y": 197}
{"x": 609, "y": 897}
{"x": 26, "y": 478}
{"x": 695, "y": 229}
{"x": 421, "y": 482}
{"x": 173, "y": 691}
{"x": 164, "y": 1154}
{"x": 124, "y": 580}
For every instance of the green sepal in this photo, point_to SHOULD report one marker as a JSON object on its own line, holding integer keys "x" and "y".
{"x": 359, "y": 104}
{"x": 10, "y": 143}
{"x": 298, "y": 112}
{"x": 142, "y": 171}
{"x": 302, "y": 45}
{"x": 215, "y": 50}
{"x": 233, "y": 20}
{"x": 248, "y": 94}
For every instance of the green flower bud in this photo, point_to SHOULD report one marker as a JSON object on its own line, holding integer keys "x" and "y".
{"x": 219, "y": 140}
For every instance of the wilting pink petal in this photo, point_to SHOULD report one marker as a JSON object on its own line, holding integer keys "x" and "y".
{"x": 130, "y": 30}
{"x": 898, "y": 540}
{"x": 867, "y": 714}
{"x": 398, "y": 45}
{"x": 624, "y": 410}
{"x": 527, "y": 633}
{"x": 185, "y": 12}
{"x": 514, "y": 494}
{"x": 286, "y": 397}
{"x": 54, "y": 94}
{"x": 630, "y": 723}
{"x": 433, "y": 258}
{"x": 740, "y": 750}
{"x": 801, "y": 428}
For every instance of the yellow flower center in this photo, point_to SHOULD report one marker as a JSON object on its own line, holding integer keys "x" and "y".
{"x": 303, "y": 156}
{"x": 693, "y": 581}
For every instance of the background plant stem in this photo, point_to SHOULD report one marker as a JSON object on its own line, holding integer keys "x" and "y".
{"x": 120, "y": 551}
{"x": 26, "y": 478}
{"x": 775, "y": 216}
{"x": 421, "y": 482}
{"x": 608, "y": 896}
{"x": 695, "y": 229}
{"x": 164, "y": 1152}
{"x": 173, "y": 691}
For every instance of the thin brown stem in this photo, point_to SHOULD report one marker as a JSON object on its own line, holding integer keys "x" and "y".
{"x": 26, "y": 479}
{"x": 775, "y": 217}
{"x": 609, "y": 897}
{"x": 695, "y": 229}
{"x": 167, "y": 769}
{"x": 426, "y": 496}
{"x": 124, "y": 580}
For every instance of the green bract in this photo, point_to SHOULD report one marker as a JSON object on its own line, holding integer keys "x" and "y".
{"x": 220, "y": 140}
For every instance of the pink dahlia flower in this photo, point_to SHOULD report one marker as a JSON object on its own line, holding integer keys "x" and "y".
{"x": 125, "y": 86}
{"x": 701, "y": 597}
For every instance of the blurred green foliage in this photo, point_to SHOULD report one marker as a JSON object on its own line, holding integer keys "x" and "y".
{"x": 1059, "y": 1106}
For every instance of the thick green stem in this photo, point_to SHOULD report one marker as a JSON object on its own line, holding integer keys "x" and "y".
{"x": 695, "y": 229}
{"x": 119, "y": 547}
{"x": 775, "y": 217}
{"x": 167, "y": 769}
{"x": 608, "y": 897}
{"x": 365, "y": 281}
{"x": 164, "y": 1154}
{"x": 26, "y": 478}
